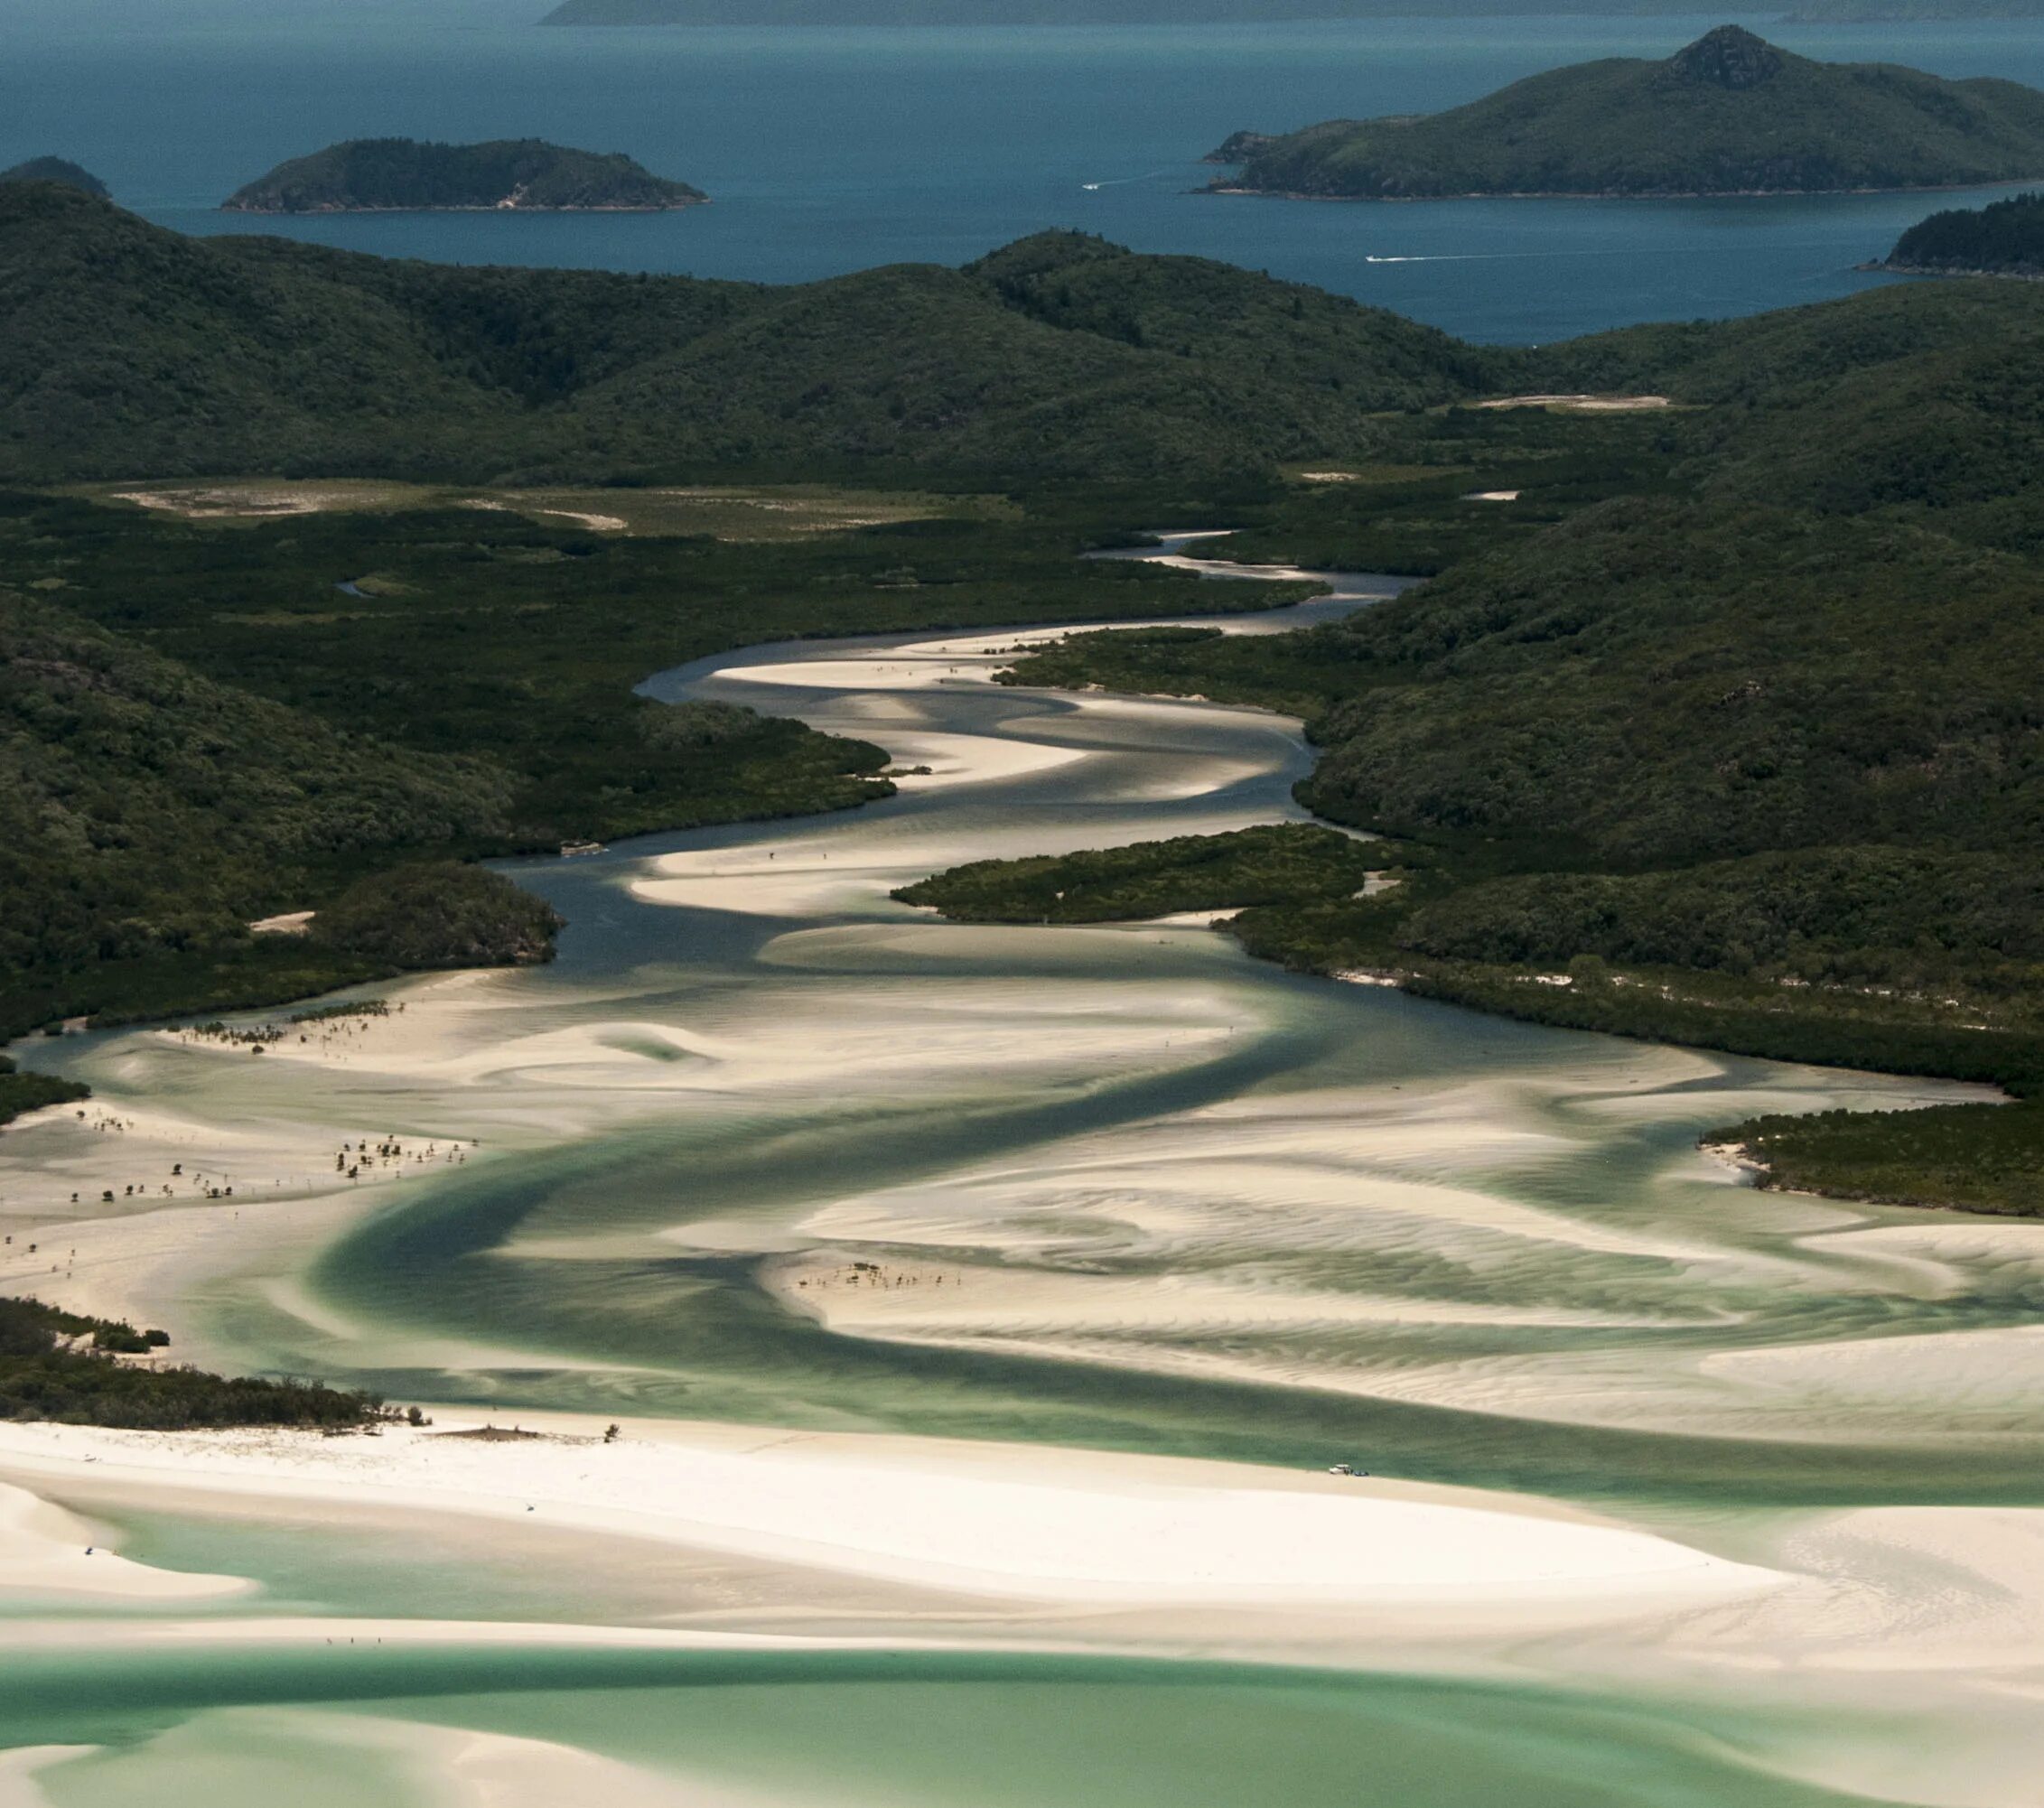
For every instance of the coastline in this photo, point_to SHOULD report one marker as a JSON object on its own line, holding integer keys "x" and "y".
{"x": 470, "y": 207}
{"x": 1617, "y": 195}
{"x": 994, "y": 1524}
{"x": 1883, "y": 267}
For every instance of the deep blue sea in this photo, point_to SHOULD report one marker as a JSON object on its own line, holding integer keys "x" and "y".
{"x": 832, "y": 150}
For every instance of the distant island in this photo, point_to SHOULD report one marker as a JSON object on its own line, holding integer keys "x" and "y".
{"x": 949, "y": 12}
{"x": 57, "y": 170}
{"x": 1898, "y": 12}
{"x": 376, "y": 175}
{"x": 2005, "y": 239}
{"x": 1197, "y": 11}
{"x": 1730, "y": 113}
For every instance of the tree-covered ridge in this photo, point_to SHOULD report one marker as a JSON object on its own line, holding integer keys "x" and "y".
{"x": 130, "y": 348}
{"x": 141, "y": 804}
{"x": 472, "y": 694}
{"x": 2003, "y": 238}
{"x": 377, "y": 174}
{"x": 59, "y": 170}
{"x": 1729, "y": 114}
{"x": 1760, "y": 754}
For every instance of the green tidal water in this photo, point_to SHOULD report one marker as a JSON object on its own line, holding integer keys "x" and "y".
{"x": 982, "y": 1731}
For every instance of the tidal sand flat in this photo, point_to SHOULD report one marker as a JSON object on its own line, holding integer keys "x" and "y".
{"x": 999, "y": 1300}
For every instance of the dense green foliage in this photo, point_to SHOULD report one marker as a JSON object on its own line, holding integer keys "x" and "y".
{"x": 438, "y": 914}
{"x": 371, "y": 174}
{"x": 1287, "y": 863}
{"x": 1726, "y": 114}
{"x": 1982, "y": 1158}
{"x": 131, "y": 350}
{"x": 21, "y": 1092}
{"x": 29, "y": 1324}
{"x": 143, "y": 804}
{"x": 2005, "y": 238}
{"x": 1751, "y": 759}
{"x": 55, "y": 1365}
{"x": 59, "y": 170}
{"x": 1668, "y": 684}
{"x": 471, "y": 695}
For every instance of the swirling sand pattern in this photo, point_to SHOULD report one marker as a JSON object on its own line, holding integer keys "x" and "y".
{"x": 764, "y": 1149}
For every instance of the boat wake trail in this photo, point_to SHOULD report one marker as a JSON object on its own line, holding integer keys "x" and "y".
{"x": 1122, "y": 181}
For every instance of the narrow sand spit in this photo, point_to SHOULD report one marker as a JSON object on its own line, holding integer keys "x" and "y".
{"x": 47, "y": 1552}
{"x": 1587, "y": 404}
{"x": 999, "y": 1522}
{"x": 19, "y": 1767}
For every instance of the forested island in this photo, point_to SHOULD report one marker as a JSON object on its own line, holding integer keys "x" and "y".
{"x": 374, "y": 176}
{"x": 1068, "y": 13}
{"x": 59, "y": 170}
{"x": 1728, "y": 719}
{"x": 1730, "y": 113}
{"x": 2003, "y": 238}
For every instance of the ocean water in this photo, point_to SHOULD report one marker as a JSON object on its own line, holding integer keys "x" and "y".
{"x": 829, "y": 151}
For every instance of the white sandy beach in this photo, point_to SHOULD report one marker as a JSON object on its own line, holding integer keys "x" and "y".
{"x": 987, "y": 1521}
{"x": 45, "y": 1551}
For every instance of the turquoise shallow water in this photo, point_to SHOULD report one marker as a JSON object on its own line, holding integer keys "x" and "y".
{"x": 975, "y": 1731}
{"x": 829, "y": 151}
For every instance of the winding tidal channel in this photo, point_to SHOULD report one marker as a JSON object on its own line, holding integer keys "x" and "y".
{"x": 980, "y": 1312}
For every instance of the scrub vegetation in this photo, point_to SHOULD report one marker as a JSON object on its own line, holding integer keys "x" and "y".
{"x": 64, "y": 1366}
{"x": 1283, "y": 863}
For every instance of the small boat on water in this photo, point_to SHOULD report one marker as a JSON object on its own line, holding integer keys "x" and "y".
{"x": 571, "y": 850}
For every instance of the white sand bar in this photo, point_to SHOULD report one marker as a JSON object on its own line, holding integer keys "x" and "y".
{"x": 1034, "y": 1523}
{"x": 47, "y": 1552}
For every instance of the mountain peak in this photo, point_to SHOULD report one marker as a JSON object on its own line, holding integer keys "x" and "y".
{"x": 1730, "y": 56}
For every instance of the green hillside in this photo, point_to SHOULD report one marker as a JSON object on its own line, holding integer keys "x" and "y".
{"x": 1729, "y": 114}
{"x": 1750, "y": 758}
{"x": 200, "y": 727}
{"x": 131, "y": 349}
{"x": 1729, "y": 718}
{"x": 2003, "y": 238}
{"x": 367, "y": 175}
{"x": 61, "y": 170}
